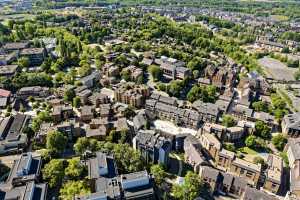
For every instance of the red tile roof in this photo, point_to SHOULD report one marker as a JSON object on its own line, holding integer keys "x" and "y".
{"x": 4, "y": 93}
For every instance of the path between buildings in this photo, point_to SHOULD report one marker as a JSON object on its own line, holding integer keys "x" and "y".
{"x": 180, "y": 165}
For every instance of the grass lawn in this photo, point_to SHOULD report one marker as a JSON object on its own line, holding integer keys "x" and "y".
{"x": 247, "y": 150}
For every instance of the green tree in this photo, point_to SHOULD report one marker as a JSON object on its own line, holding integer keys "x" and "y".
{"x": 125, "y": 75}
{"x": 75, "y": 169}
{"x": 53, "y": 172}
{"x": 174, "y": 88}
{"x": 260, "y": 106}
{"x": 23, "y": 62}
{"x": 76, "y": 102}
{"x": 71, "y": 189}
{"x": 279, "y": 141}
{"x": 228, "y": 121}
{"x": 262, "y": 130}
{"x": 83, "y": 144}
{"x": 190, "y": 189}
{"x": 251, "y": 142}
{"x": 229, "y": 147}
{"x": 297, "y": 75}
{"x": 56, "y": 141}
{"x": 159, "y": 173}
{"x": 155, "y": 72}
{"x": 259, "y": 160}
{"x": 69, "y": 95}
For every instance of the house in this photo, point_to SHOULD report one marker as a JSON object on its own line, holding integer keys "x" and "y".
{"x": 105, "y": 110}
{"x": 132, "y": 94}
{"x": 34, "y": 91}
{"x": 12, "y": 138}
{"x": 254, "y": 194}
{"x": 62, "y": 112}
{"x": 209, "y": 112}
{"x": 36, "y": 55}
{"x": 86, "y": 113}
{"x": 4, "y": 98}
{"x": 140, "y": 120}
{"x": 153, "y": 147}
{"x": 98, "y": 133}
{"x": 135, "y": 72}
{"x": 14, "y": 46}
{"x": 211, "y": 144}
{"x": 193, "y": 153}
{"x": 250, "y": 171}
{"x": 121, "y": 125}
{"x": 172, "y": 68}
{"x": 8, "y": 59}
{"x": 222, "y": 182}
{"x": 90, "y": 80}
{"x": 8, "y": 71}
{"x": 25, "y": 169}
{"x": 274, "y": 173}
{"x": 291, "y": 124}
{"x": 84, "y": 95}
{"x": 224, "y": 159}
{"x": 98, "y": 98}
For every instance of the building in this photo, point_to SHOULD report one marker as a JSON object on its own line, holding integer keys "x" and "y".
{"x": 224, "y": 159}
{"x": 274, "y": 173}
{"x": 90, "y": 80}
{"x": 8, "y": 59}
{"x": 250, "y": 171}
{"x": 5, "y": 96}
{"x": 14, "y": 46}
{"x": 209, "y": 112}
{"x": 34, "y": 91}
{"x": 30, "y": 190}
{"x": 293, "y": 153}
{"x": 102, "y": 165}
{"x": 98, "y": 98}
{"x": 132, "y": 94}
{"x": 137, "y": 186}
{"x": 86, "y": 113}
{"x": 25, "y": 169}
{"x": 35, "y": 55}
{"x": 153, "y": 147}
{"x": 8, "y": 71}
{"x": 254, "y": 194}
{"x": 291, "y": 124}
{"x": 107, "y": 184}
{"x": 166, "y": 108}
{"x": 211, "y": 144}
{"x": 172, "y": 68}
{"x": 62, "y": 112}
{"x": 222, "y": 182}
{"x": 230, "y": 134}
{"x": 193, "y": 153}
{"x": 12, "y": 138}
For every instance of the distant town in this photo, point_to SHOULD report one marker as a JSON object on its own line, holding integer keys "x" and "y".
{"x": 149, "y": 100}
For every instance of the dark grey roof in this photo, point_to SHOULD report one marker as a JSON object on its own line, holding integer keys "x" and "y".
{"x": 292, "y": 120}
{"x": 206, "y": 108}
{"x": 254, "y": 194}
{"x": 29, "y": 191}
{"x": 16, "y": 127}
